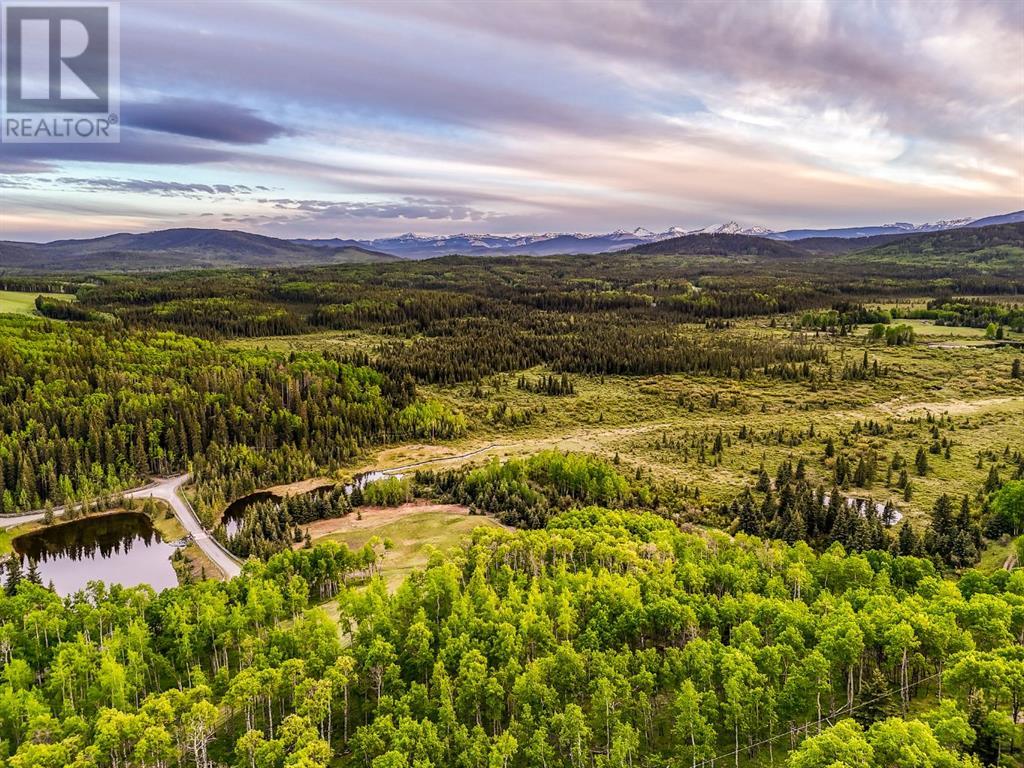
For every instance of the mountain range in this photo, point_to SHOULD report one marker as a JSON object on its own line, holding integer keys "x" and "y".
{"x": 411, "y": 246}
{"x": 186, "y": 248}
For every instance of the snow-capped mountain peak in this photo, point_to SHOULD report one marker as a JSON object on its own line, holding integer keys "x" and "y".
{"x": 731, "y": 228}
{"x": 414, "y": 246}
{"x": 931, "y": 226}
{"x": 621, "y": 234}
{"x": 947, "y": 223}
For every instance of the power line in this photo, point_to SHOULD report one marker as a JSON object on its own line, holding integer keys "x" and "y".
{"x": 822, "y": 719}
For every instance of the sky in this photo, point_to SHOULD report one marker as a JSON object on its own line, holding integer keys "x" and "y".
{"x": 323, "y": 119}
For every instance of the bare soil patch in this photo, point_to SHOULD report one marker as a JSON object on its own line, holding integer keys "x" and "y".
{"x": 952, "y": 407}
{"x": 301, "y": 487}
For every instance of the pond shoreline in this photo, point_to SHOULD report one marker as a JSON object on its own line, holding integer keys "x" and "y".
{"x": 61, "y": 522}
{"x": 121, "y": 546}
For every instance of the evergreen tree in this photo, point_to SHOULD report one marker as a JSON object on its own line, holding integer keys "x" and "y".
{"x": 13, "y": 574}
{"x": 908, "y": 542}
{"x": 751, "y": 521}
{"x": 876, "y": 701}
{"x": 992, "y": 482}
{"x": 764, "y": 483}
{"x": 33, "y": 572}
{"x": 921, "y": 462}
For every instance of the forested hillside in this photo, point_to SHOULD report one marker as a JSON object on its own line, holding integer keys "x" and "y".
{"x": 90, "y": 410}
{"x": 723, "y": 245}
{"x": 609, "y": 638}
{"x": 174, "y": 249}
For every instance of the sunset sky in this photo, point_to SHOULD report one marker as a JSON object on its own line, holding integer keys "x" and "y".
{"x": 363, "y": 120}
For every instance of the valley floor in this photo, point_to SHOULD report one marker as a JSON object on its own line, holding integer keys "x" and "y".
{"x": 641, "y": 419}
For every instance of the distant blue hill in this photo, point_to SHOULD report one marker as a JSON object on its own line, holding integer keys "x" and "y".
{"x": 897, "y": 228}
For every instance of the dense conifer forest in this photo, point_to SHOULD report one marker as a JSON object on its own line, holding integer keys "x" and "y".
{"x": 90, "y": 410}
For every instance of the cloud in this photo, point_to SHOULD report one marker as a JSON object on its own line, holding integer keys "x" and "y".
{"x": 200, "y": 119}
{"x": 918, "y": 63}
{"x": 21, "y": 165}
{"x": 12, "y": 180}
{"x": 325, "y": 61}
{"x": 155, "y": 187}
{"x": 412, "y": 208}
{"x": 561, "y": 115}
{"x": 136, "y": 147}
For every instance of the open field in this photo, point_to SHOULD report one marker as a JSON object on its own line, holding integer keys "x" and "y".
{"x": 928, "y": 332}
{"x": 929, "y": 328}
{"x": 414, "y": 531}
{"x": 634, "y": 418}
{"x": 24, "y": 302}
{"x": 328, "y": 341}
{"x": 996, "y": 556}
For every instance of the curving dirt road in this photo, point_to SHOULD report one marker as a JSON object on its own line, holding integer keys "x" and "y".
{"x": 435, "y": 460}
{"x": 166, "y": 489}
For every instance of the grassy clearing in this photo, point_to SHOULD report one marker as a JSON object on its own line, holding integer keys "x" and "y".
{"x": 928, "y": 328}
{"x": 928, "y": 332}
{"x": 166, "y": 523}
{"x": 301, "y": 487}
{"x": 24, "y": 302}
{"x": 8, "y": 535}
{"x": 413, "y": 536}
{"x": 994, "y": 557}
{"x": 335, "y": 341}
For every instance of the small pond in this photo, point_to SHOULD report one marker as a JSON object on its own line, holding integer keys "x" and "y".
{"x": 235, "y": 511}
{"x": 232, "y": 517}
{"x": 854, "y": 503}
{"x": 122, "y": 548}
